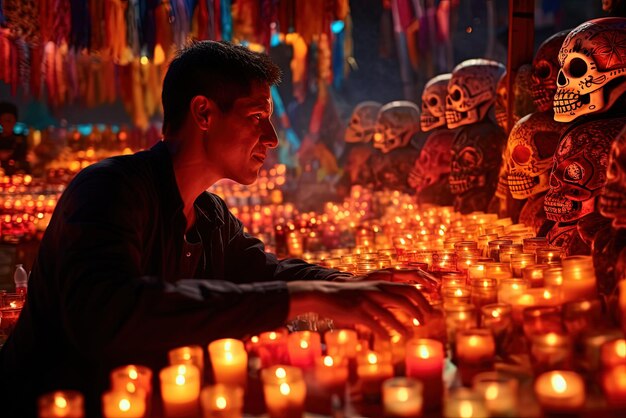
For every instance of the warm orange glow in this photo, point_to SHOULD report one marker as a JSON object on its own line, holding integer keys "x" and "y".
{"x": 372, "y": 358}
{"x": 328, "y": 361}
{"x": 558, "y": 383}
{"x": 124, "y": 404}
{"x": 220, "y": 402}
{"x": 285, "y": 389}
{"x": 304, "y": 344}
{"x": 60, "y": 402}
{"x": 281, "y": 373}
{"x": 423, "y": 352}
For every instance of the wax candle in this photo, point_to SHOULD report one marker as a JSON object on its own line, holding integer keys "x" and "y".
{"x": 540, "y": 320}
{"x": 579, "y": 278}
{"x": 475, "y": 352}
{"x": 272, "y": 347}
{"x": 499, "y": 391}
{"x": 507, "y": 250}
{"x": 132, "y": 378}
{"x": 614, "y": 385}
{"x": 532, "y": 297}
{"x": 180, "y": 389}
{"x": 497, "y": 318}
{"x": 551, "y": 351}
{"x": 230, "y": 362}
{"x": 494, "y": 248}
{"x": 424, "y": 361}
{"x": 456, "y": 295}
{"x": 402, "y": 397}
{"x": 188, "y": 355}
{"x": 458, "y": 317}
{"x": 61, "y": 404}
{"x": 464, "y": 403}
{"x": 331, "y": 373}
{"x": 548, "y": 254}
{"x": 560, "y": 391}
{"x": 483, "y": 292}
{"x": 582, "y": 316}
{"x": 121, "y": 404}
{"x": 284, "y": 391}
{"x": 372, "y": 369}
{"x": 477, "y": 270}
{"x": 222, "y": 401}
{"x": 533, "y": 274}
{"x": 531, "y": 244}
{"x": 519, "y": 262}
{"x": 341, "y": 342}
{"x": 304, "y": 347}
{"x": 510, "y": 288}
{"x": 613, "y": 353}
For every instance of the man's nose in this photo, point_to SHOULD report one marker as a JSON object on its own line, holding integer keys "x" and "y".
{"x": 269, "y": 138}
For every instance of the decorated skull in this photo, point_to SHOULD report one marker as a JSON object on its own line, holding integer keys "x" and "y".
{"x": 529, "y": 153}
{"x": 434, "y": 102}
{"x": 612, "y": 202}
{"x": 579, "y": 169}
{"x": 362, "y": 122}
{"x": 502, "y": 102}
{"x": 545, "y": 69}
{"x": 396, "y": 124}
{"x": 475, "y": 159}
{"x": 593, "y": 68}
{"x": 472, "y": 91}
{"x": 433, "y": 161}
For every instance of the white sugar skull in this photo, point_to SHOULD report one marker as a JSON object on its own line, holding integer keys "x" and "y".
{"x": 579, "y": 169}
{"x": 362, "y": 122}
{"x": 545, "y": 69}
{"x": 434, "y": 103}
{"x": 472, "y": 91}
{"x": 396, "y": 124}
{"x": 612, "y": 202}
{"x": 593, "y": 68}
{"x": 529, "y": 153}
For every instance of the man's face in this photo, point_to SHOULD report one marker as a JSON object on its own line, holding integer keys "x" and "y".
{"x": 243, "y": 136}
{"x": 7, "y": 121}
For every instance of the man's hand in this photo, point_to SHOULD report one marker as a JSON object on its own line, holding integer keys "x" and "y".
{"x": 362, "y": 302}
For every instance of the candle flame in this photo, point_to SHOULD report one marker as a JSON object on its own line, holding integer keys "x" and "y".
{"x": 402, "y": 394}
{"x": 182, "y": 369}
{"x": 558, "y": 383}
{"x": 180, "y": 379}
{"x": 124, "y": 404}
{"x": 254, "y": 339}
{"x": 284, "y": 389}
{"x": 372, "y": 358}
{"x": 304, "y": 344}
{"x": 342, "y": 337}
{"x": 60, "y": 401}
{"x": 272, "y": 336}
{"x": 547, "y": 294}
{"x": 13, "y": 304}
{"x": 328, "y": 361}
{"x": 416, "y": 322}
{"x": 495, "y": 313}
{"x": 423, "y": 352}
{"x": 220, "y": 402}
{"x": 130, "y": 387}
{"x": 228, "y": 356}
{"x": 466, "y": 410}
{"x": 132, "y": 373}
{"x": 473, "y": 341}
{"x": 458, "y": 292}
{"x": 491, "y": 393}
{"x": 552, "y": 338}
{"x": 281, "y": 373}
{"x": 620, "y": 348}
{"x": 186, "y": 355}
{"x": 227, "y": 345}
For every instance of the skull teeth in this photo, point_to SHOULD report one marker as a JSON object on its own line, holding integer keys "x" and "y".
{"x": 520, "y": 184}
{"x": 566, "y": 102}
{"x": 458, "y": 186}
{"x": 611, "y": 201}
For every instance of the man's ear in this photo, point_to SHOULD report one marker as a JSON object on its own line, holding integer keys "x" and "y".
{"x": 202, "y": 111}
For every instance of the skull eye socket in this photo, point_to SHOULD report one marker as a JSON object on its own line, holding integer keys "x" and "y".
{"x": 574, "y": 172}
{"x": 543, "y": 70}
{"x": 521, "y": 154}
{"x": 577, "y": 67}
{"x": 433, "y": 101}
{"x": 456, "y": 95}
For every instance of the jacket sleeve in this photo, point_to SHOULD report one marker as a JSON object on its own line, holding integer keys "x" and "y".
{"x": 247, "y": 261}
{"x": 108, "y": 309}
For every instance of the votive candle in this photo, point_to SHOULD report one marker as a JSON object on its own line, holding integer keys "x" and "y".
{"x": 230, "y": 361}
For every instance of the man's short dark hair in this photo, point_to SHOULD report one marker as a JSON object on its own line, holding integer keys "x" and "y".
{"x": 8, "y": 107}
{"x": 221, "y": 71}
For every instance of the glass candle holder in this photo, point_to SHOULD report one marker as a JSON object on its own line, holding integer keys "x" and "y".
{"x": 341, "y": 342}
{"x": 500, "y": 392}
{"x": 507, "y": 250}
{"x": 533, "y": 274}
{"x": 475, "y": 352}
{"x": 453, "y": 280}
{"x": 304, "y": 347}
{"x": 465, "y": 246}
{"x": 613, "y": 353}
{"x": 540, "y": 320}
{"x": 66, "y": 404}
{"x": 519, "y": 262}
{"x": 551, "y": 351}
{"x": 284, "y": 391}
{"x": 511, "y": 288}
{"x": 402, "y": 397}
{"x": 582, "y": 316}
{"x": 424, "y": 361}
{"x": 593, "y": 342}
{"x": 272, "y": 347}
{"x": 483, "y": 243}
{"x": 372, "y": 369}
{"x": 560, "y": 391}
{"x": 444, "y": 260}
{"x": 549, "y": 254}
{"x": 121, "y": 404}
{"x": 221, "y": 401}
{"x": 331, "y": 373}
{"x": 531, "y": 298}
{"x": 494, "y": 248}
{"x": 180, "y": 390}
{"x": 459, "y": 317}
{"x": 532, "y": 244}
{"x": 464, "y": 402}
{"x": 132, "y": 379}
{"x": 497, "y": 318}
{"x": 497, "y": 271}
{"x": 579, "y": 278}
{"x": 229, "y": 359}
{"x": 456, "y": 295}
{"x": 553, "y": 277}
{"x": 192, "y": 354}
{"x": 477, "y": 270}
{"x": 483, "y": 292}
{"x": 614, "y": 386}
{"x": 465, "y": 260}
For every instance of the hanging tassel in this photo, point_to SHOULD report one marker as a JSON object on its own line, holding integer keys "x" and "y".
{"x": 59, "y": 62}
{"x": 298, "y": 65}
{"x": 49, "y": 72}
{"x": 108, "y": 80}
{"x": 133, "y": 27}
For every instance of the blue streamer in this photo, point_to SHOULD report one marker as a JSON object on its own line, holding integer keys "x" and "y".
{"x": 279, "y": 108}
{"x": 227, "y": 21}
{"x": 338, "y": 55}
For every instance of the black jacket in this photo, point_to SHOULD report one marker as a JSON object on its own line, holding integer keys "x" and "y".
{"x": 115, "y": 282}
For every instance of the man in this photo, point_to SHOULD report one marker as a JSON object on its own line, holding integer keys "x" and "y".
{"x": 139, "y": 259}
{"x": 13, "y": 147}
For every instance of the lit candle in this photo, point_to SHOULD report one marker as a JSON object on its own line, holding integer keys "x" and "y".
{"x": 532, "y": 297}
{"x": 560, "y": 391}
{"x": 180, "y": 389}
{"x": 519, "y": 262}
{"x": 230, "y": 362}
{"x": 497, "y": 318}
{"x": 304, "y": 347}
{"x": 581, "y": 316}
{"x": 475, "y": 352}
{"x": 272, "y": 348}
{"x": 456, "y": 295}
{"x": 533, "y": 274}
{"x": 613, "y": 353}
{"x": 458, "y": 317}
{"x": 614, "y": 385}
{"x": 579, "y": 278}
{"x": 188, "y": 355}
{"x": 284, "y": 391}
{"x": 121, "y": 404}
{"x": 464, "y": 403}
{"x": 499, "y": 392}
{"x": 222, "y": 401}
{"x": 540, "y": 320}
{"x": 132, "y": 378}
{"x": 483, "y": 292}
{"x": 424, "y": 361}
{"x": 61, "y": 404}
{"x": 548, "y": 255}
{"x": 341, "y": 342}
{"x": 551, "y": 351}
{"x": 331, "y": 373}
{"x": 402, "y": 397}
{"x": 372, "y": 369}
